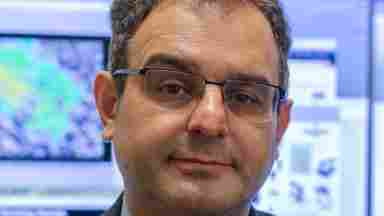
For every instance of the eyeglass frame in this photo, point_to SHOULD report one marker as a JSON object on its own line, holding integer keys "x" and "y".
{"x": 127, "y": 71}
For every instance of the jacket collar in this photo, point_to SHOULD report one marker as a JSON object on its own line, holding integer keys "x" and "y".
{"x": 115, "y": 210}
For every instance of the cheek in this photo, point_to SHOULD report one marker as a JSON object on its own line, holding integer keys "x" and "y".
{"x": 145, "y": 132}
{"x": 256, "y": 149}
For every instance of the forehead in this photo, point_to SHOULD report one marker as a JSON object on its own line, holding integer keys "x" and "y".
{"x": 217, "y": 38}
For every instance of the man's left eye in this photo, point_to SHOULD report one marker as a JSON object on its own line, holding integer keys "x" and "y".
{"x": 243, "y": 98}
{"x": 173, "y": 88}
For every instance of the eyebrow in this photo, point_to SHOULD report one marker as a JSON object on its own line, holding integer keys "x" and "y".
{"x": 188, "y": 66}
{"x": 249, "y": 77}
{"x": 181, "y": 64}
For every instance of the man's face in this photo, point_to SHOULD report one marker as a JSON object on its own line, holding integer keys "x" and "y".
{"x": 203, "y": 158}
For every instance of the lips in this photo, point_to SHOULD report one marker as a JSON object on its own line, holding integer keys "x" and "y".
{"x": 195, "y": 160}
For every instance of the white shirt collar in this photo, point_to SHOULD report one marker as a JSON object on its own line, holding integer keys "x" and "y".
{"x": 124, "y": 208}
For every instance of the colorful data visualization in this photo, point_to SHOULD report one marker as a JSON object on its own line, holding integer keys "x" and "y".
{"x": 47, "y": 110}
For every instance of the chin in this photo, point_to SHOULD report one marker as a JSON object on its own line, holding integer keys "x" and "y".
{"x": 211, "y": 199}
{"x": 208, "y": 205}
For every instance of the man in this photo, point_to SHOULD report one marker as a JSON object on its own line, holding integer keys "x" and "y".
{"x": 195, "y": 103}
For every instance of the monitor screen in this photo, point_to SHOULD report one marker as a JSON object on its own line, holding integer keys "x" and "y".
{"x": 378, "y": 115}
{"x": 51, "y": 151}
{"x": 47, "y": 109}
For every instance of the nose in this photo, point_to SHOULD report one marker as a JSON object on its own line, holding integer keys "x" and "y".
{"x": 209, "y": 117}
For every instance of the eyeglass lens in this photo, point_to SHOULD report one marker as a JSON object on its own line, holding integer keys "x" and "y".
{"x": 174, "y": 89}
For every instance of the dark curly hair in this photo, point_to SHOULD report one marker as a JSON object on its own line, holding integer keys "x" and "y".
{"x": 127, "y": 15}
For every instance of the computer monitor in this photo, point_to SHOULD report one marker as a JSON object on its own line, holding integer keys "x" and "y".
{"x": 46, "y": 104}
{"x": 51, "y": 151}
{"x": 306, "y": 179}
{"x": 377, "y": 149}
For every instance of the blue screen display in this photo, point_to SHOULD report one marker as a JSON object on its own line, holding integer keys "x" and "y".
{"x": 47, "y": 110}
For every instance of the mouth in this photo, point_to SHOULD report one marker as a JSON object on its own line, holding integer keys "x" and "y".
{"x": 198, "y": 167}
{"x": 206, "y": 162}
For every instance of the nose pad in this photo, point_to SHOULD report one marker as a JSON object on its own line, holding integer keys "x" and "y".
{"x": 209, "y": 117}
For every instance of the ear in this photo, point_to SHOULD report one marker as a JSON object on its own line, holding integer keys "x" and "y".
{"x": 284, "y": 115}
{"x": 106, "y": 101}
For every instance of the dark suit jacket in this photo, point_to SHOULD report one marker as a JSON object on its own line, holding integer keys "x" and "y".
{"x": 115, "y": 210}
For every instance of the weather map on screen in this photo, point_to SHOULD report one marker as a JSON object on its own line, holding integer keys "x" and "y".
{"x": 47, "y": 110}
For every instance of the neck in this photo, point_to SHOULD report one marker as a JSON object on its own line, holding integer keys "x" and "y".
{"x": 150, "y": 207}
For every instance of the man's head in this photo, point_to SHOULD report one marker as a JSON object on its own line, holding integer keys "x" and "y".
{"x": 198, "y": 129}
{"x": 128, "y": 15}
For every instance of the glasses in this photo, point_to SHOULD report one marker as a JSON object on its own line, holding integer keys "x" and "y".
{"x": 174, "y": 89}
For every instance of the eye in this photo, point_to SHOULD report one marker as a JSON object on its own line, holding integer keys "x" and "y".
{"x": 241, "y": 97}
{"x": 174, "y": 88}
